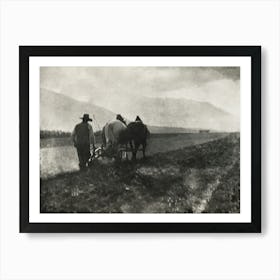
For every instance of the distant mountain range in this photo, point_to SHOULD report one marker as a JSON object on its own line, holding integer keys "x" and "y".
{"x": 190, "y": 114}
{"x": 163, "y": 115}
{"x": 59, "y": 112}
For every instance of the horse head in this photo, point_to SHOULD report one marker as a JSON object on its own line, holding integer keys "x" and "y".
{"x": 120, "y": 118}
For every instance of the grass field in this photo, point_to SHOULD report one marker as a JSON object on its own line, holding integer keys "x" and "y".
{"x": 182, "y": 174}
{"x": 57, "y": 155}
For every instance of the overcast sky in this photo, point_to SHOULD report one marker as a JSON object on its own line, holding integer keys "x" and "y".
{"x": 108, "y": 86}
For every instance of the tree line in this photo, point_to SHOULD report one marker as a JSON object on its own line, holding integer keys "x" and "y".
{"x": 54, "y": 134}
{"x": 44, "y": 134}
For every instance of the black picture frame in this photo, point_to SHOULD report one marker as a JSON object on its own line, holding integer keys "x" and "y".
{"x": 25, "y": 52}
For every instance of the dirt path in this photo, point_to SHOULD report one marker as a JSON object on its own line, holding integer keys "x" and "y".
{"x": 200, "y": 194}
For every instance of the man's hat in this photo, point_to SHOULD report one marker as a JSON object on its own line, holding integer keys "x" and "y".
{"x": 86, "y": 118}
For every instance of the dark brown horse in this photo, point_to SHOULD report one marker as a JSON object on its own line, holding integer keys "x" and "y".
{"x": 136, "y": 134}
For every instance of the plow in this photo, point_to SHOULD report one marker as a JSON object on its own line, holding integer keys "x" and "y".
{"x": 118, "y": 153}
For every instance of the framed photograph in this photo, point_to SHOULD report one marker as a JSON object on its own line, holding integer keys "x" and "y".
{"x": 140, "y": 138}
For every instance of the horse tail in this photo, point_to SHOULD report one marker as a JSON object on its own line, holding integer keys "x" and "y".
{"x": 148, "y": 133}
{"x": 111, "y": 137}
{"x": 103, "y": 136}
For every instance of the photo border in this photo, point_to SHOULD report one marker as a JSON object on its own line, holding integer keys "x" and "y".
{"x": 251, "y": 51}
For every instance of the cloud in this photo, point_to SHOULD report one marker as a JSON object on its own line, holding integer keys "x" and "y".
{"x": 110, "y": 86}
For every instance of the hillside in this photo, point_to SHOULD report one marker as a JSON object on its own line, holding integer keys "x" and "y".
{"x": 171, "y": 112}
{"x": 176, "y": 112}
{"x": 59, "y": 112}
{"x": 162, "y": 115}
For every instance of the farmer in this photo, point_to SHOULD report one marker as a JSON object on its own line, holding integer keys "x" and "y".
{"x": 83, "y": 138}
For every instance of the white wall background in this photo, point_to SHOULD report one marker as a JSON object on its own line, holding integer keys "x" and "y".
{"x": 139, "y": 256}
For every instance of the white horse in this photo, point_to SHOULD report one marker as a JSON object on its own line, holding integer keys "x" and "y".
{"x": 113, "y": 136}
{"x": 111, "y": 132}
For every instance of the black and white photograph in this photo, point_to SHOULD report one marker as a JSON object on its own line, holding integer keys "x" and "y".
{"x": 140, "y": 139}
